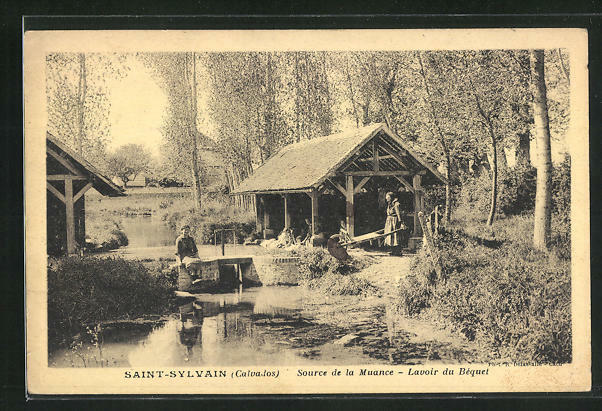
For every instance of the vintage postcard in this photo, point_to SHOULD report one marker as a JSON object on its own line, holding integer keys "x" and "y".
{"x": 307, "y": 211}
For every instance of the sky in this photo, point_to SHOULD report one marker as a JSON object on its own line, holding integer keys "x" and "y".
{"x": 138, "y": 106}
{"x": 137, "y": 109}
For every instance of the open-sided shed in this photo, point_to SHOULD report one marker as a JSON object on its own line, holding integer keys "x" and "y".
{"x": 68, "y": 177}
{"x": 350, "y": 162}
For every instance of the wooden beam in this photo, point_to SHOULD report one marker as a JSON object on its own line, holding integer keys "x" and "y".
{"x": 377, "y": 173}
{"x": 349, "y": 210}
{"x": 418, "y": 204}
{"x": 375, "y": 165}
{"x": 54, "y": 191}
{"x": 360, "y": 185}
{"x": 385, "y": 157}
{"x": 70, "y": 217}
{"x": 405, "y": 183}
{"x": 287, "y": 212}
{"x": 394, "y": 155}
{"x": 338, "y": 186}
{"x": 258, "y": 216}
{"x": 82, "y": 192}
{"x": 266, "y": 214}
{"x": 314, "y": 211}
{"x": 60, "y": 177}
{"x": 300, "y": 190}
{"x": 66, "y": 163}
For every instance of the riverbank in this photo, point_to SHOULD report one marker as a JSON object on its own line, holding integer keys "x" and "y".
{"x": 290, "y": 325}
{"x": 374, "y": 324}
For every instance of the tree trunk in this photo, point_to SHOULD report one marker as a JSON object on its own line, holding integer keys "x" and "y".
{"x": 493, "y": 203}
{"x": 502, "y": 160}
{"x": 81, "y": 99}
{"x": 523, "y": 154}
{"x": 447, "y": 215}
{"x": 440, "y": 137}
{"x": 196, "y": 178}
{"x": 543, "y": 197}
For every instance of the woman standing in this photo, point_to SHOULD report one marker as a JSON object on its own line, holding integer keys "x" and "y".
{"x": 393, "y": 223}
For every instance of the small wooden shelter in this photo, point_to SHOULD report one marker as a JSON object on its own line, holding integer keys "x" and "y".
{"x": 68, "y": 177}
{"x": 365, "y": 160}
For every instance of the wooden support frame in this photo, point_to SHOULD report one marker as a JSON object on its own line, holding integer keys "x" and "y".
{"x": 287, "y": 212}
{"x": 377, "y": 173}
{"x": 70, "y": 217}
{"x": 338, "y": 186}
{"x": 418, "y": 203}
{"x": 314, "y": 195}
{"x": 361, "y": 185}
{"x": 66, "y": 163}
{"x": 385, "y": 157}
{"x": 394, "y": 155}
{"x": 375, "y": 160}
{"x": 56, "y": 192}
{"x": 61, "y": 177}
{"x": 81, "y": 192}
{"x": 258, "y": 216}
{"x": 266, "y": 214}
{"x": 350, "y": 212}
{"x": 405, "y": 183}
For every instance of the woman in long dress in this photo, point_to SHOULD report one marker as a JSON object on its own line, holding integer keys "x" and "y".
{"x": 392, "y": 223}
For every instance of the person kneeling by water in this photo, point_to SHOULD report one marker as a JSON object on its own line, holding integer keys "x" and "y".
{"x": 186, "y": 250}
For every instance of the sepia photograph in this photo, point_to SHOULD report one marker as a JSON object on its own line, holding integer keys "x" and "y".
{"x": 339, "y": 211}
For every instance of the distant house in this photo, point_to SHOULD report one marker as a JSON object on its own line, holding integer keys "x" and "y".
{"x": 139, "y": 181}
{"x": 68, "y": 177}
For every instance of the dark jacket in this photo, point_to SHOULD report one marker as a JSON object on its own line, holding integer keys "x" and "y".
{"x": 186, "y": 247}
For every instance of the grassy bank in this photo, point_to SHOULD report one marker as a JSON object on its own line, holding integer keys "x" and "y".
{"x": 322, "y": 272}
{"x": 510, "y": 299}
{"x": 104, "y": 234}
{"x": 215, "y": 215}
{"x": 83, "y": 291}
{"x": 175, "y": 207}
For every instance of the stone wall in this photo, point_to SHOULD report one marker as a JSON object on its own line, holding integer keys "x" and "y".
{"x": 277, "y": 270}
{"x": 206, "y": 271}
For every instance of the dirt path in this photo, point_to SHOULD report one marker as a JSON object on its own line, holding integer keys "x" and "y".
{"x": 387, "y": 272}
{"x": 411, "y": 340}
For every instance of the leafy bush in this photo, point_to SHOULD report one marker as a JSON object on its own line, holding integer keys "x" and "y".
{"x": 516, "y": 192}
{"x": 561, "y": 209}
{"x": 87, "y": 290}
{"x": 105, "y": 234}
{"x": 512, "y": 299}
{"x": 321, "y": 271}
{"x": 214, "y": 216}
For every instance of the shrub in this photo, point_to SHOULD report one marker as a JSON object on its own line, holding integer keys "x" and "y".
{"x": 497, "y": 290}
{"x": 516, "y": 192}
{"x": 213, "y": 217}
{"x": 321, "y": 271}
{"x": 106, "y": 235}
{"x": 87, "y": 290}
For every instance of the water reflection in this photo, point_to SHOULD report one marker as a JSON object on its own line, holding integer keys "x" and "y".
{"x": 239, "y": 328}
{"x": 147, "y": 231}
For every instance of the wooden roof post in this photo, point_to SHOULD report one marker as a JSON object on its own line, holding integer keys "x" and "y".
{"x": 70, "y": 217}
{"x": 287, "y": 213}
{"x": 258, "y": 215}
{"x": 314, "y": 211}
{"x": 418, "y": 203}
{"x": 350, "y": 211}
{"x": 266, "y": 213}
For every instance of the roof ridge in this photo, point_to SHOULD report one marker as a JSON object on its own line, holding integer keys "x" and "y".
{"x": 333, "y": 136}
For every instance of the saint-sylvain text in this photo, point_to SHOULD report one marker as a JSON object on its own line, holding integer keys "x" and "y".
{"x": 200, "y": 374}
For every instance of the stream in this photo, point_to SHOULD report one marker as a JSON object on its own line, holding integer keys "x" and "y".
{"x": 270, "y": 325}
